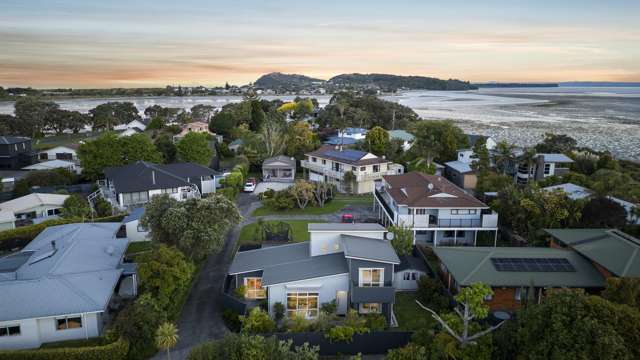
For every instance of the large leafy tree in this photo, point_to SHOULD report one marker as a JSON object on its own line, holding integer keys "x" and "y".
{"x": 402, "y": 241}
{"x": 166, "y": 147}
{"x": 301, "y": 139}
{"x": 197, "y": 226}
{"x": 223, "y": 123}
{"x": 602, "y": 212}
{"x": 195, "y": 147}
{"x": 556, "y": 143}
{"x": 76, "y": 206}
{"x": 504, "y": 156}
{"x": 110, "y": 114}
{"x": 438, "y": 140}
{"x": 31, "y": 115}
{"x": 60, "y": 120}
{"x": 258, "y": 116}
{"x": 623, "y": 291}
{"x": 138, "y": 147}
{"x": 202, "y": 112}
{"x": 377, "y": 141}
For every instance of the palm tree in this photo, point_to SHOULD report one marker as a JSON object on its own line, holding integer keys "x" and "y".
{"x": 504, "y": 155}
{"x": 167, "y": 337}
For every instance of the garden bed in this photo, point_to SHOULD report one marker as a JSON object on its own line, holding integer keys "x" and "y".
{"x": 299, "y": 231}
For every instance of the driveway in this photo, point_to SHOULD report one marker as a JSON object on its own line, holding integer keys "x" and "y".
{"x": 201, "y": 317}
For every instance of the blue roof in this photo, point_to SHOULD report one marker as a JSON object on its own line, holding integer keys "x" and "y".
{"x": 351, "y": 130}
{"x": 335, "y": 140}
{"x": 135, "y": 214}
{"x": 349, "y": 154}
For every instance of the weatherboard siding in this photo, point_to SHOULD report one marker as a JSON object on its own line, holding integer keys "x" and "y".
{"x": 504, "y": 299}
{"x": 35, "y": 332}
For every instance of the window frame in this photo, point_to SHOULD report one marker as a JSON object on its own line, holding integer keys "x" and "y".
{"x": 370, "y": 308}
{"x": 66, "y": 322}
{"x": 5, "y": 330}
{"x": 307, "y": 311}
{"x": 257, "y": 293}
{"x": 363, "y": 283}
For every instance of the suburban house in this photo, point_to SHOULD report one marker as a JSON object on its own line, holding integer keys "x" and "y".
{"x": 129, "y": 132}
{"x": 411, "y": 268}
{"x": 60, "y": 286}
{"x": 54, "y": 164}
{"x": 515, "y": 274}
{"x": 352, "y": 133}
{"x": 65, "y": 153}
{"x": 438, "y": 212}
{"x": 577, "y": 192}
{"x": 15, "y": 152}
{"x": 30, "y": 209}
{"x": 135, "y": 232}
{"x": 329, "y": 164}
{"x": 198, "y": 127}
{"x": 139, "y": 124}
{"x": 612, "y": 252}
{"x": 135, "y": 184}
{"x": 279, "y": 169}
{"x": 335, "y": 140}
{"x": 236, "y": 145}
{"x": 542, "y": 166}
{"x": 406, "y": 138}
{"x": 460, "y": 171}
{"x": 352, "y": 264}
{"x": 490, "y": 143}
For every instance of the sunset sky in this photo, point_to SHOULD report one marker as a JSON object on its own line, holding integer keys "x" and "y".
{"x": 83, "y": 43}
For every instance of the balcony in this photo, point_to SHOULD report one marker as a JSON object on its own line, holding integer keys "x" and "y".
{"x": 393, "y": 169}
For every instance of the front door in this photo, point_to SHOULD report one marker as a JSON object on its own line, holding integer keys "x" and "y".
{"x": 341, "y": 303}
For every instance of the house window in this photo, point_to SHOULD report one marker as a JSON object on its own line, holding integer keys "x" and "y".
{"x": 72, "y": 322}
{"x": 449, "y": 234}
{"x": 363, "y": 168}
{"x": 142, "y": 228}
{"x": 44, "y": 156}
{"x": 409, "y": 276}
{"x": 518, "y": 294}
{"x": 10, "y": 330}
{"x": 314, "y": 159}
{"x": 373, "y": 277}
{"x": 353, "y": 168}
{"x": 135, "y": 198}
{"x": 376, "y": 168}
{"x": 370, "y": 308}
{"x": 410, "y": 211}
{"x": 547, "y": 169}
{"x": 52, "y": 212}
{"x": 461, "y": 234}
{"x": 421, "y": 211}
{"x": 324, "y": 162}
{"x": 302, "y": 303}
{"x": 254, "y": 289}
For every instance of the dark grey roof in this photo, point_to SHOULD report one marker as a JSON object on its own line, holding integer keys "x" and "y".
{"x": 14, "y": 261}
{"x": 312, "y": 267}
{"x": 7, "y": 140}
{"x": 143, "y": 176}
{"x": 345, "y": 227}
{"x": 369, "y": 249}
{"x": 135, "y": 214}
{"x": 288, "y": 161}
{"x": 372, "y": 294}
{"x": 410, "y": 262}
{"x": 259, "y": 259}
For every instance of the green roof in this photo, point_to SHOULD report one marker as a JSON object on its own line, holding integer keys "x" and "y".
{"x": 612, "y": 249}
{"x": 401, "y": 134}
{"x": 469, "y": 265}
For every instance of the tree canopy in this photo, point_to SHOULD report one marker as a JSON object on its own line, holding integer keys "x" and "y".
{"x": 195, "y": 147}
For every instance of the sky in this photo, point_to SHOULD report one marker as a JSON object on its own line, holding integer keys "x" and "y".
{"x": 133, "y": 43}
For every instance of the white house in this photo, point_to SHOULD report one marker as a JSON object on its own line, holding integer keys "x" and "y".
{"x": 129, "y": 132}
{"x": 59, "y": 286}
{"x": 542, "y": 166}
{"x": 353, "y": 133}
{"x": 411, "y": 268}
{"x": 32, "y": 208}
{"x": 55, "y": 164}
{"x": 329, "y": 164}
{"x": 133, "y": 124}
{"x": 351, "y": 264}
{"x": 406, "y": 138}
{"x": 490, "y": 143}
{"x": 135, "y": 231}
{"x": 438, "y": 212}
{"x": 59, "y": 153}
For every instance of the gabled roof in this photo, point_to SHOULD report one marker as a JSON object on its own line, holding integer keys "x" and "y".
{"x": 259, "y": 259}
{"x": 310, "y": 268}
{"x": 573, "y": 191}
{"x": 72, "y": 148}
{"x": 460, "y": 166}
{"x": 135, "y": 214}
{"x": 33, "y": 200}
{"x": 142, "y": 176}
{"x": 279, "y": 160}
{"x": 469, "y": 265}
{"x": 66, "y": 269}
{"x": 401, "y": 135}
{"x": 8, "y": 140}
{"x": 51, "y": 164}
{"x": 415, "y": 189}
{"x": 364, "y": 248}
{"x": 556, "y": 158}
{"x": 612, "y": 249}
{"x": 411, "y": 262}
{"x": 347, "y": 156}
{"x": 336, "y": 140}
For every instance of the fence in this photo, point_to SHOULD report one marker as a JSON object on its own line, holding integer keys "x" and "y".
{"x": 367, "y": 344}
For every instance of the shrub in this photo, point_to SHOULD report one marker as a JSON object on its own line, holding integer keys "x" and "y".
{"x": 116, "y": 350}
{"x": 298, "y": 323}
{"x": 278, "y": 310}
{"x": 340, "y": 333}
{"x": 329, "y": 307}
{"x": 281, "y": 200}
{"x": 376, "y": 322}
{"x": 409, "y": 352}
{"x": 258, "y": 321}
{"x": 232, "y": 320}
{"x": 240, "y": 291}
{"x": 242, "y": 346}
{"x": 431, "y": 294}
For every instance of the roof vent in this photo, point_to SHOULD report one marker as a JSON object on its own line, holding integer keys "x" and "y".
{"x": 430, "y": 186}
{"x": 404, "y": 191}
{"x": 53, "y": 244}
{"x": 153, "y": 177}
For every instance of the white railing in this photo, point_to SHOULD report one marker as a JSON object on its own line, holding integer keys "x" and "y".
{"x": 340, "y": 174}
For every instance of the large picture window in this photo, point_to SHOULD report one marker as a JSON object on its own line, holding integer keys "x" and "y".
{"x": 303, "y": 304}
{"x": 9, "y": 330}
{"x": 254, "y": 289}
{"x": 135, "y": 198}
{"x": 372, "y": 277}
{"x": 71, "y": 322}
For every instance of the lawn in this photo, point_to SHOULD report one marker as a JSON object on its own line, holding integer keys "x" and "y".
{"x": 409, "y": 315}
{"x": 298, "y": 229}
{"x": 138, "y": 246}
{"x": 64, "y": 139}
{"x": 338, "y": 203}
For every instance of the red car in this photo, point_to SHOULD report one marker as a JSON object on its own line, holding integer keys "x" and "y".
{"x": 348, "y": 218}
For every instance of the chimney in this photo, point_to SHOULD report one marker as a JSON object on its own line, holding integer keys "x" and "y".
{"x": 153, "y": 177}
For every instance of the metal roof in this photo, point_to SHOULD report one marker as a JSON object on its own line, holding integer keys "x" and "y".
{"x": 33, "y": 200}
{"x": 259, "y": 259}
{"x": 612, "y": 249}
{"x": 410, "y": 262}
{"x": 134, "y": 215}
{"x": 473, "y": 264}
{"x": 7, "y": 140}
{"x": 336, "y": 140}
{"x": 312, "y": 267}
{"x": 401, "y": 135}
{"x": 348, "y": 156}
{"x": 345, "y": 227}
{"x": 143, "y": 176}
{"x": 459, "y": 166}
{"x": 71, "y": 269}
{"x": 276, "y": 160}
{"x": 369, "y": 249}
{"x": 556, "y": 158}
{"x": 573, "y": 191}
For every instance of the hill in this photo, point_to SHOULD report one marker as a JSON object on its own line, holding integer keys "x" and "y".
{"x": 393, "y": 82}
{"x": 277, "y": 80}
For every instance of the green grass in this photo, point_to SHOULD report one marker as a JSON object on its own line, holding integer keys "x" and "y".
{"x": 64, "y": 139}
{"x": 409, "y": 315}
{"x": 299, "y": 231}
{"x": 96, "y": 341}
{"x": 335, "y": 205}
{"x": 138, "y": 246}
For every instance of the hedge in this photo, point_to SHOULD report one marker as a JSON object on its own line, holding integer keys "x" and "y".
{"x": 117, "y": 350}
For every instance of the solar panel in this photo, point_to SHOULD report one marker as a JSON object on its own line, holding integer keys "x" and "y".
{"x": 349, "y": 155}
{"x": 532, "y": 264}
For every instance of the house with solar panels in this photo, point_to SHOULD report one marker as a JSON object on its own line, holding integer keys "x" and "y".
{"x": 330, "y": 163}
{"x": 62, "y": 284}
{"x": 516, "y": 275}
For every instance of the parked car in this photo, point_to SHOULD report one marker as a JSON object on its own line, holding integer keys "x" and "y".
{"x": 252, "y": 180}
{"x": 348, "y": 218}
{"x": 249, "y": 187}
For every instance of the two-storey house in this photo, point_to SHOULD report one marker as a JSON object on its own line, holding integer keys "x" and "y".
{"x": 15, "y": 152}
{"x": 329, "y": 164}
{"x": 542, "y": 166}
{"x": 351, "y": 264}
{"x": 438, "y": 212}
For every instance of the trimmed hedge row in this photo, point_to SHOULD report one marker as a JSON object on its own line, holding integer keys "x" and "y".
{"x": 117, "y": 350}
